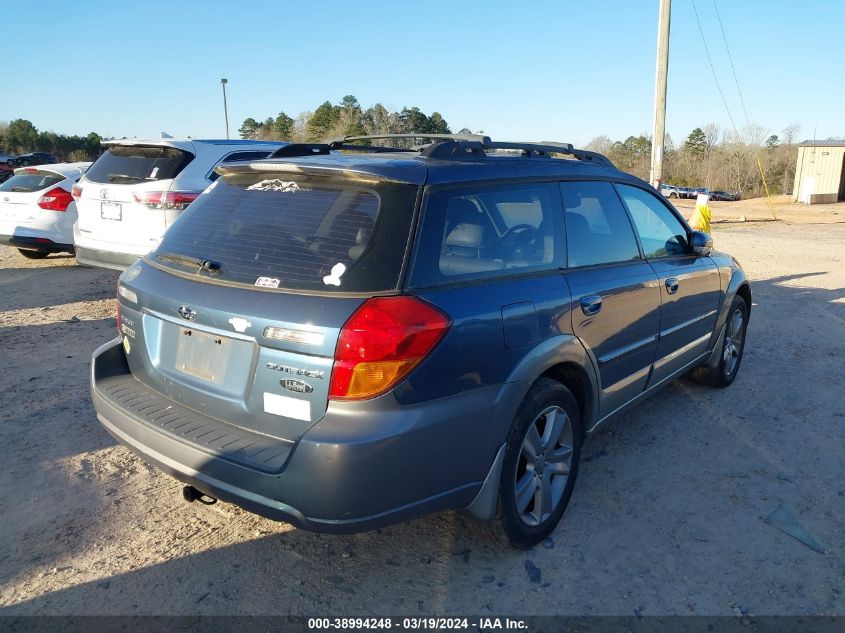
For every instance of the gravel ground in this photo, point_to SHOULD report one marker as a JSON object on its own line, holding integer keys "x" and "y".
{"x": 668, "y": 517}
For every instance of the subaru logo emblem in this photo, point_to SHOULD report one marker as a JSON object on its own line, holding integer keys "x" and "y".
{"x": 186, "y": 312}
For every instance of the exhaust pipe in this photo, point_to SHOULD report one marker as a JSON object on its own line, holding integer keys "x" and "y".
{"x": 191, "y": 494}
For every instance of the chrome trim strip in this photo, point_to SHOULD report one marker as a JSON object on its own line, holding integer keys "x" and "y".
{"x": 681, "y": 326}
{"x": 199, "y": 327}
{"x": 683, "y": 350}
{"x": 627, "y": 349}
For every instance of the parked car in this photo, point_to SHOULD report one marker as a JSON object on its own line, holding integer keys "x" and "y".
{"x": 6, "y": 172}
{"x": 37, "y": 211}
{"x": 670, "y": 191}
{"x": 5, "y": 158}
{"x": 685, "y": 193}
{"x": 344, "y": 341}
{"x": 33, "y": 158}
{"x": 137, "y": 188}
{"x": 728, "y": 196}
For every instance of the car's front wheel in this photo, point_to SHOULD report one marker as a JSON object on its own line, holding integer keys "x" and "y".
{"x": 733, "y": 346}
{"x": 33, "y": 254}
{"x": 540, "y": 464}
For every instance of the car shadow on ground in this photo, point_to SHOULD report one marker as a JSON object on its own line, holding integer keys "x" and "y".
{"x": 45, "y": 285}
{"x": 722, "y": 453}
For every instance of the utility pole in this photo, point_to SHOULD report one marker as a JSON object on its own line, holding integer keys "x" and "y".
{"x": 223, "y": 83}
{"x": 659, "y": 134}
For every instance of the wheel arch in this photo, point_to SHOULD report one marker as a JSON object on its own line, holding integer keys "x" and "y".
{"x": 565, "y": 359}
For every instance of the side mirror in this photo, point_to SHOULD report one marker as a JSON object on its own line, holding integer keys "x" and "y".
{"x": 701, "y": 243}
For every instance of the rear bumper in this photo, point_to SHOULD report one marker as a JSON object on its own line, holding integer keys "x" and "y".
{"x": 31, "y": 243}
{"x": 97, "y": 258}
{"x": 356, "y": 469}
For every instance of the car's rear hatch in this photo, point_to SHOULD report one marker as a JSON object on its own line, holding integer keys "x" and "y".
{"x": 20, "y": 194}
{"x": 237, "y": 313}
{"x": 121, "y": 197}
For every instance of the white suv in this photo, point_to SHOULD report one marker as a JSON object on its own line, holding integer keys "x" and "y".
{"x": 138, "y": 187}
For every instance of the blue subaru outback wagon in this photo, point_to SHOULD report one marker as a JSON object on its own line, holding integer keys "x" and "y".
{"x": 346, "y": 335}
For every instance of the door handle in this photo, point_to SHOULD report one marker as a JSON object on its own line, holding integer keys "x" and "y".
{"x": 591, "y": 305}
{"x": 672, "y": 285}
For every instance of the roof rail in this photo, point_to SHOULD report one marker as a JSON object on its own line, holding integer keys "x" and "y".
{"x": 453, "y": 146}
{"x": 413, "y": 135}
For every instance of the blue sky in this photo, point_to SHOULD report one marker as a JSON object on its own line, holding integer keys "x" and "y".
{"x": 559, "y": 70}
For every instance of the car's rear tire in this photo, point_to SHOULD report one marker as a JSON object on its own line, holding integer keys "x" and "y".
{"x": 33, "y": 254}
{"x": 730, "y": 354}
{"x": 540, "y": 465}
{"x": 673, "y": 195}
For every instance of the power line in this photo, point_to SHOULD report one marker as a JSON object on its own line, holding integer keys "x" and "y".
{"x": 731, "y": 60}
{"x": 713, "y": 69}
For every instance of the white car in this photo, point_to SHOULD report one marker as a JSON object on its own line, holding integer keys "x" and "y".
{"x": 37, "y": 212}
{"x": 138, "y": 187}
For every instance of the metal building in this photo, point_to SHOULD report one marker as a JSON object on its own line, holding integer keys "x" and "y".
{"x": 820, "y": 172}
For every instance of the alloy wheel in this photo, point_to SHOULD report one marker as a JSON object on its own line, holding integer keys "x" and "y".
{"x": 544, "y": 465}
{"x": 733, "y": 342}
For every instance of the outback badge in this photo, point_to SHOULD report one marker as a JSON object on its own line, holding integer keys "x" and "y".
{"x": 297, "y": 386}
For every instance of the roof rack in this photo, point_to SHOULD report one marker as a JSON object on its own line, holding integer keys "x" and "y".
{"x": 452, "y": 146}
{"x": 442, "y": 146}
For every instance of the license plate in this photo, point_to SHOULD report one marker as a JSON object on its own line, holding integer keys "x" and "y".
{"x": 202, "y": 355}
{"x": 111, "y": 211}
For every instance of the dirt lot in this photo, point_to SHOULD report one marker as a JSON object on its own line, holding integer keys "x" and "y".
{"x": 668, "y": 516}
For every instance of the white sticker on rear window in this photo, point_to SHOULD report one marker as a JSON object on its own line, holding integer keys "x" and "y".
{"x": 154, "y": 172}
{"x": 286, "y": 186}
{"x": 287, "y": 407}
{"x": 267, "y": 282}
{"x": 334, "y": 278}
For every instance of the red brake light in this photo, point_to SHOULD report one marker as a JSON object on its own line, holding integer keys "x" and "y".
{"x": 76, "y": 192}
{"x": 166, "y": 199}
{"x": 381, "y": 343}
{"x": 55, "y": 200}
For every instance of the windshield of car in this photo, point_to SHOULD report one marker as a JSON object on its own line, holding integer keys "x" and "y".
{"x": 31, "y": 181}
{"x": 129, "y": 164}
{"x": 297, "y": 233}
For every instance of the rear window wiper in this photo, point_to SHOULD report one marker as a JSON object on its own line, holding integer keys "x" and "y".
{"x": 186, "y": 260}
{"x": 124, "y": 177}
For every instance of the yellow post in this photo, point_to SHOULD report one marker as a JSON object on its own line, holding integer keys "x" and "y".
{"x": 766, "y": 186}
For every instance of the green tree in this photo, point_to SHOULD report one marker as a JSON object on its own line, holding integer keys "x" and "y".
{"x": 283, "y": 127}
{"x": 324, "y": 119}
{"x": 772, "y": 142}
{"x": 696, "y": 142}
{"x": 21, "y": 136}
{"x": 414, "y": 120}
{"x": 437, "y": 124}
{"x": 249, "y": 128}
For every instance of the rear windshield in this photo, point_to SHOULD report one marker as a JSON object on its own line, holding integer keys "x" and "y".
{"x": 128, "y": 164}
{"x": 31, "y": 181}
{"x": 295, "y": 233}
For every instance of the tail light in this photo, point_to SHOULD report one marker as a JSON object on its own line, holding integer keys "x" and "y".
{"x": 381, "y": 343}
{"x": 76, "y": 192}
{"x": 55, "y": 200}
{"x": 166, "y": 199}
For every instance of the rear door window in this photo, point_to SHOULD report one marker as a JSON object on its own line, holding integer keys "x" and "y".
{"x": 661, "y": 233}
{"x": 294, "y": 232}
{"x": 129, "y": 164}
{"x": 482, "y": 231}
{"x": 31, "y": 181}
{"x": 598, "y": 230}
